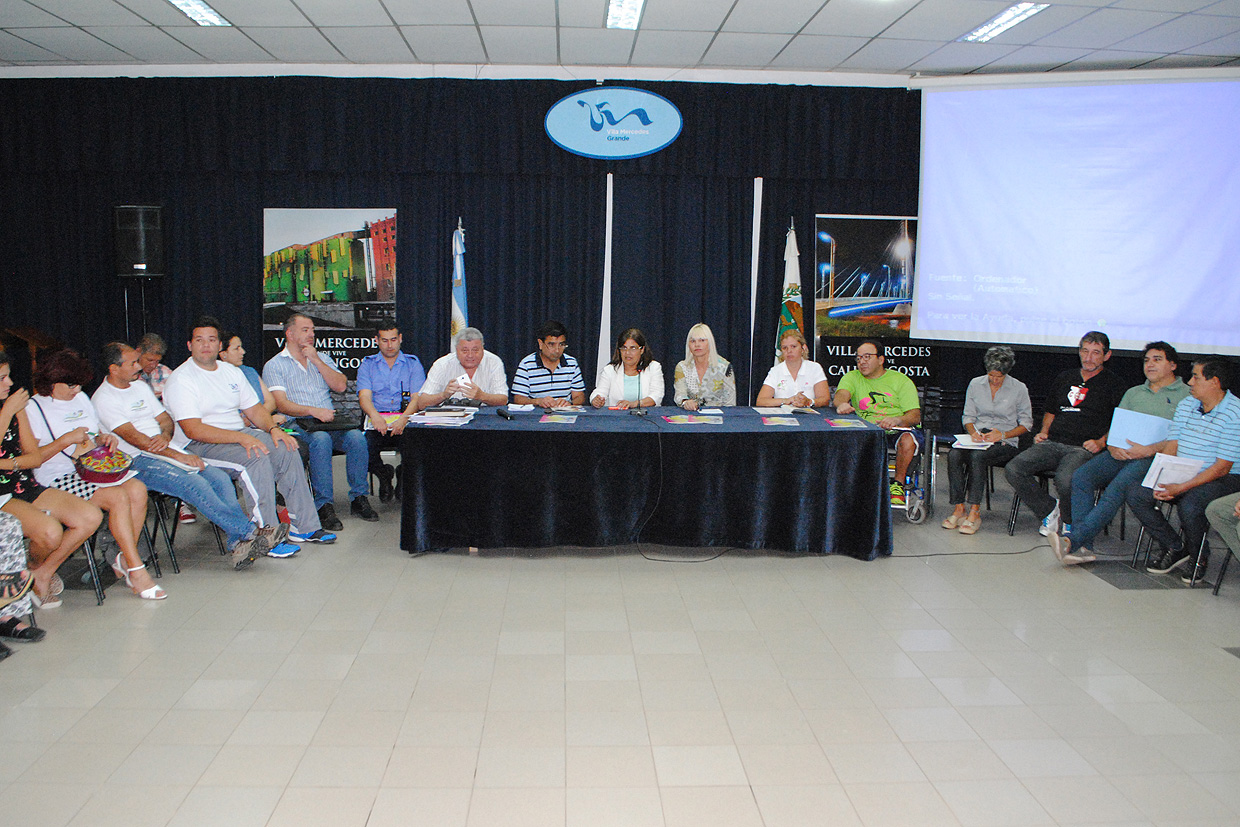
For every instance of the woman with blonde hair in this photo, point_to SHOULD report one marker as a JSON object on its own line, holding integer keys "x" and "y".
{"x": 704, "y": 378}
{"x": 795, "y": 379}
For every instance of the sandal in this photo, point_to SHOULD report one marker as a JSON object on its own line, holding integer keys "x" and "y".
{"x": 29, "y": 634}
{"x": 953, "y": 520}
{"x": 970, "y": 526}
{"x": 154, "y": 592}
{"x": 58, "y": 585}
{"x": 14, "y": 585}
{"x": 50, "y": 601}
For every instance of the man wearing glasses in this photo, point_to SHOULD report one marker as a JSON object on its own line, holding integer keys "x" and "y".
{"x": 1079, "y": 406}
{"x": 549, "y": 377}
{"x": 887, "y": 398}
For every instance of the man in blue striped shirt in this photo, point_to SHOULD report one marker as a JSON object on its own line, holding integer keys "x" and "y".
{"x": 549, "y": 378}
{"x": 1206, "y": 427}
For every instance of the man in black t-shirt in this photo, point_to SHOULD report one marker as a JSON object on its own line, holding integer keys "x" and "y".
{"x": 1074, "y": 428}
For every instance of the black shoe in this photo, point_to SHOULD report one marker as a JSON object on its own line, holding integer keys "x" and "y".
{"x": 328, "y": 518}
{"x": 1194, "y": 573}
{"x": 386, "y": 491}
{"x": 1167, "y": 562}
{"x": 361, "y": 508}
{"x": 30, "y": 634}
{"x": 4, "y": 651}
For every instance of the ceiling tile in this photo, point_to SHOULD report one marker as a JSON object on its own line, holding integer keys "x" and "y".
{"x": 1104, "y": 59}
{"x": 857, "y": 18}
{"x": 369, "y": 44}
{"x": 944, "y": 19}
{"x": 517, "y": 13}
{"x": 221, "y": 44}
{"x": 1228, "y": 8}
{"x": 520, "y": 44}
{"x": 20, "y": 13}
{"x": 739, "y": 50}
{"x": 808, "y": 51}
{"x": 71, "y": 41}
{"x": 1180, "y": 34}
{"x": 786, "y": 16}
{"x": 445, "y": 44}
{"x": 888, "y": 55}
{"x": 584, "y": 14}
{"x": 281, "y": 13}
{"x": 670, "y": 48}
{"x": 678, "y": 15}
{"x": 1104, "y": 27}
{"x": 596, "y": 47}
{"x": 1226, "y": 46}
{"x": 430, "y": 12}
{"x": 1033, "y": 59}
{"x": 345, "y": 12}
{"x": 15, "y": 50}
{"x": 90, "y": 14}
{"x": 1186, "y": 62}
{"x": 962, "y": 58}
{"x": 147, "y": 43}
{"x": 1178, "y": 6}
{"x": 295, "y": 45}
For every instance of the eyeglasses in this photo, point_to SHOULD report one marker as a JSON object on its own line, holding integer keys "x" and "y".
{"x": 630, "y": 348}
{"x": 555, "y": 345}
{"x": 861, "y": 356}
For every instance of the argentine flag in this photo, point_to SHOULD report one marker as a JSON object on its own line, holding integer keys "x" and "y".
{"x": 460, "y": 306}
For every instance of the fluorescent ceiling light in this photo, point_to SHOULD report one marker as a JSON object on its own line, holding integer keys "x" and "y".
{"x": 200, "y": 12}
{"x": 624, "y": 14}
{"x": 1006, "y": 20}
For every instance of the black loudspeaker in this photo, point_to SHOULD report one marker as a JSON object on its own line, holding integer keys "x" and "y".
{"x": 139, "y": 242}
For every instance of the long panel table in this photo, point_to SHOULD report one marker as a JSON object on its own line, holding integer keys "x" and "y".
{"x": 613, "y": 478}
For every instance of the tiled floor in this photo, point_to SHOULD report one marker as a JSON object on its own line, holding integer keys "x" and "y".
{"x": 355, "y": 685}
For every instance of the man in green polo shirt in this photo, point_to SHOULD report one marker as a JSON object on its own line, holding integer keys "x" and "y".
{"x": 887, "y": 398}
{"x": 1114, "y": 469}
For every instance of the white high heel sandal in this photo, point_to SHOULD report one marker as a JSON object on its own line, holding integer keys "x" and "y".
{"x": 154, "y": 592}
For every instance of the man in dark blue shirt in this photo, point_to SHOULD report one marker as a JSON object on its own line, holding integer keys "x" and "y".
{"x": 387, "y": 390}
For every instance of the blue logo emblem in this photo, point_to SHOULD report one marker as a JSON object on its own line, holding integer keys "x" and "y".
{"x": 613, "y": 122}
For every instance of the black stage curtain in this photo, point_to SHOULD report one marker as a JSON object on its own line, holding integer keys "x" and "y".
{"x": 215, "y": 151}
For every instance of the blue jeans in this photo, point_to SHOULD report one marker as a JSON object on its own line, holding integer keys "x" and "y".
{"x": 211, "y": 491}
{"x": 356, "y": 457}
{"x": 1114, "y": 477}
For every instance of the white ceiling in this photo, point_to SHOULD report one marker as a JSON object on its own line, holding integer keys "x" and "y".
{"x": 901, "y": 38}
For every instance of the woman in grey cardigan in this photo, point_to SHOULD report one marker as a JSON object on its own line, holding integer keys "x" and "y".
{"x": 996, "y": 411}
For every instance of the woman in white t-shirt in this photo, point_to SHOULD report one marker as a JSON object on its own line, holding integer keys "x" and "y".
{"x": 58, "y": 409}
{"x": 795, "y": 379}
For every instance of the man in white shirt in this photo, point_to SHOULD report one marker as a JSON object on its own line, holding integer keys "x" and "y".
{"x": 144, "y": 430}
{"x": 206, "y": 397}
{"x": 469, "y": 373}
{"x": 302, "y": 379}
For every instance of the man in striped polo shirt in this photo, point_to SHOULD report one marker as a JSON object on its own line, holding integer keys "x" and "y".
{"x": 1206, "y": 427}
{"x": 549, "y": 378}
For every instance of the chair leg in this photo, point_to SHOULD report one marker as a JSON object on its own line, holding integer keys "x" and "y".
{"x": 150, "y": 544}
{"x": 1219, "y": 581}
{"x": 1012, "y": 514}
{"x": 1201, "y": 550}
{"x": 89, "y": 547}
{"x": 161, "y": 524}
{"x": 219, "y": 539}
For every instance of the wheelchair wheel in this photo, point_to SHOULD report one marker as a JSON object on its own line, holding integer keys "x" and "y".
{"x": 915, "y": 509}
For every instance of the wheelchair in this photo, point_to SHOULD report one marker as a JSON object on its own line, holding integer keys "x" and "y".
{"x": 919, "y": 480}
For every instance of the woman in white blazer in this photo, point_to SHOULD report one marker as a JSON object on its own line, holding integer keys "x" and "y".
{"x": 632, "y": 379}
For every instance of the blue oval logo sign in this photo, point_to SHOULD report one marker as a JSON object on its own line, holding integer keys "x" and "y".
{"x": 613, "y": 122}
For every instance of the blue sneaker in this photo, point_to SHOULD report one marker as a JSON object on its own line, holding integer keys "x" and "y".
{"x": 283, "y": 550}
{"x": 321, "y": 536}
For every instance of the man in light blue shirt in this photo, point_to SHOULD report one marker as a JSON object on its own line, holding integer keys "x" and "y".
{"x": 302, "y": 379}
{"x": 1206, "y": 427}
{"x": 387, "y": 390}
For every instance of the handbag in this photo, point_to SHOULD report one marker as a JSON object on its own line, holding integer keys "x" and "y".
{"x": 101, "y": 465}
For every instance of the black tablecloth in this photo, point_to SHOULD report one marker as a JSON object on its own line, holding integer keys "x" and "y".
{"x": 612, "y": 478}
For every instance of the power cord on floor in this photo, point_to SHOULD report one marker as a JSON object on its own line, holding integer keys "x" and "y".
{"x": 975, "y": 553}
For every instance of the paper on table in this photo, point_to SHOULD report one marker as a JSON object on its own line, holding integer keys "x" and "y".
{"x": 693, "y": 419}
{"x": 1169, "y": 470}
{"x": 967, "y": 442}
{"x": 559, "y": 419}
{"x": 1140, "y": 428}
{"x": 780, "y": 420}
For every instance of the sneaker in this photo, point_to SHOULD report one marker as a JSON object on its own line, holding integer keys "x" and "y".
{"x": 386, "y": 491}
{"x": 185, "y": 515}
{"x": 321, "y": 536}
{"x": 328, "y": 518}
{"x": 275, "y": 534}
{"x": 247, "y": 551}
{"x": 897, "y": 494}
{"x": 1167, "y": 562}
{"x": 284, "y": 550}
{"x": 1194, "y": 573}
{"x": 361, "y": 508}
{"x": 1051, "y": 523}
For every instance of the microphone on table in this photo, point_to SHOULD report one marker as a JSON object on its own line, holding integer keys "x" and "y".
{"x": 503, "y": 412}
